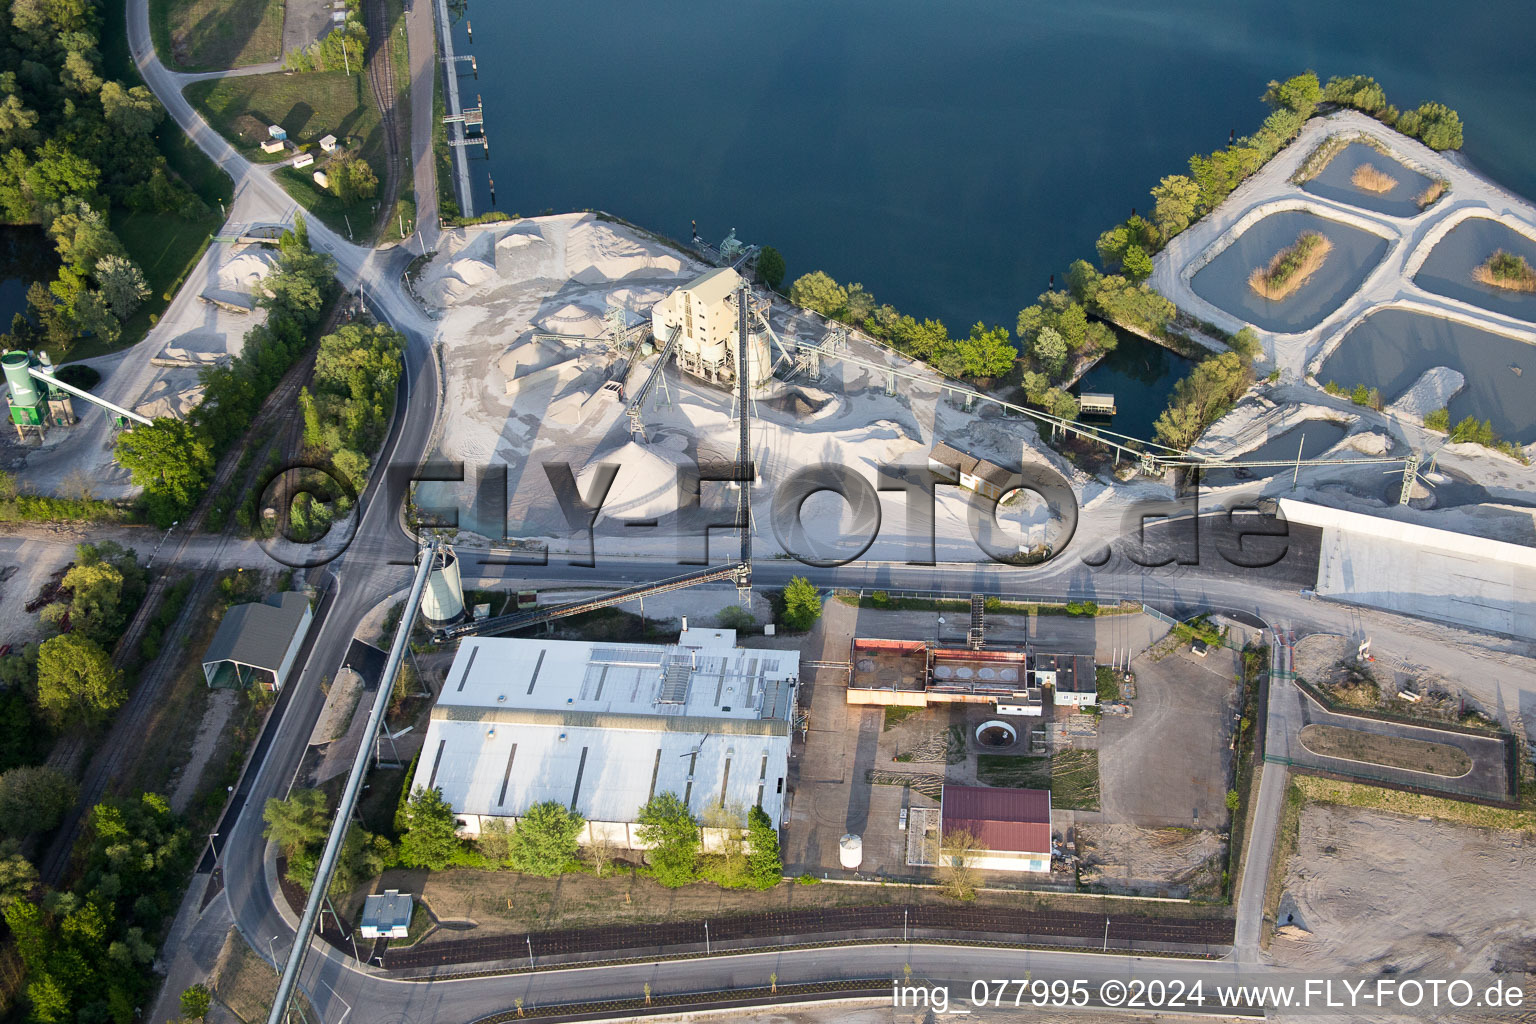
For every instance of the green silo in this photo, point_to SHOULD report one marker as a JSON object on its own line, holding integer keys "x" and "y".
{"x": 26, "y": 401}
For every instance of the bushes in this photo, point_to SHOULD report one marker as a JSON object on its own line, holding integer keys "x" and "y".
{"x": 544, "y": 840}
{"x": 802, "y": 604}
{"x": 666, "y": 826}
{"x": 1439, "y": 419}
{"x": 985, "y": 352}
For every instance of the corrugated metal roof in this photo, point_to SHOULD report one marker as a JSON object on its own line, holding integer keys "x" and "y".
{"x": 387, "y": 910}
{"x": 1009, "y": 820}
{"x": 258, "y": 635}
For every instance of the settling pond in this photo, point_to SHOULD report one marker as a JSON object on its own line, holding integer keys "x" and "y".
{"x": 1224, "y": 281}
{"x": 1448, "y": 269}
{"x": 1333, "y": 182}
{"x": 1392, "y": 349}
{"x": 1311, "y": 437}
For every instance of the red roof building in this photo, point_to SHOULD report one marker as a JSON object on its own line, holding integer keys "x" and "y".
{"x": 1014, "y": 825}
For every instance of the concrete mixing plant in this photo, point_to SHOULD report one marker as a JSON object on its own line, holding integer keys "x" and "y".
{"x": 704, "y": 313}
{"x": 39, "y": 400}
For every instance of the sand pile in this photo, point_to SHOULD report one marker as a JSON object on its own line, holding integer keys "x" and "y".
{"x": 524, "y": 253}
{"x": 173, "y": 395}
{"x": 193, "y": 349}
{"x": 646, "y": 484}
{"x": 796, "y": 402}
{"x": 237, "y": 279}
{"x": 594, "y": 253}
{"x": 1433, "y": 390}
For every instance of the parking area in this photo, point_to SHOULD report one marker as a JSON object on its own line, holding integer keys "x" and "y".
{"x": 1167, "y": 764}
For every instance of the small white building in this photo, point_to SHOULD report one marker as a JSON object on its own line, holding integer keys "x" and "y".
{"x": 601, "y": 728}
{"x": 277, "y": 132}
{"x": 969, "y": 471}
{"x": 328, "y": 143}
{"x": 1072, "y": 677}
{"x": 303, "y": 160}
{"x": 322, "y": 179}
{"x": 387, "y": 915}
{"x": 1013, "y": 825}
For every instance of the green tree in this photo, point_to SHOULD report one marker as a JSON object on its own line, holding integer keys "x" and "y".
{"x": 543, "y": 842}
{"x": 133, "y": 111}
{"x": 33, "y": 799}
{"x": 802, "y": 604}
{"x": 819, "y": 292}
{"x": 1060, "y": 403}
{"x": 352, "y": 178}
{"x": 314, "y": 433}
{"x": 765, "y": 867}
{"x": 76, "y": 681}
{"x": 1300, "y": 93}
{"x": 670, "y": 832}
{"x": 987, "y": 352}
{"x": 1111, "y": 247}
{"x": 1050, "y": 350}
{"x": 96, "y": 607}
{"x": 1438, "y": 126}
{"x": 196, "y": 1001}
{"x": 122, "y": 285}
{"x": 171, "y": 460}
{"x": 430, "y": 836}
{"x": 1136, "y": 264}
{"x": 298, "y": 823}
{"x": 18, "y": 878}
{"x": 770, "y": 264}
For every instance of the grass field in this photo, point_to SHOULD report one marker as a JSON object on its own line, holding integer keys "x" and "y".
{"x": 1072, "y": 776}
{"x": 354, "y": 220}
{"x": 1390, "y": 751}
{"x": 309, "y": 106}
{"x": 1354, "y": 794}
{"x": 214, "y": 35}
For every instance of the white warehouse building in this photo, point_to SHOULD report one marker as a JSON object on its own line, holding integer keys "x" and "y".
{"x": 603, "y": 727}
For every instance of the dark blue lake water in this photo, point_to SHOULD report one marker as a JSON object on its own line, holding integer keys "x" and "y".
{"x": 949, "y": 156}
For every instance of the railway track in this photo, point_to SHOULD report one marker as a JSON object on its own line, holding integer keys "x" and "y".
{"x": 381, "y": 78}
{"x": 1122, "y": 931}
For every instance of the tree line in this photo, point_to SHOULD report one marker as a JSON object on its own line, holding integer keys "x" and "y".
{"x": 76, "y": 148}
{"x": 544, "y": 841}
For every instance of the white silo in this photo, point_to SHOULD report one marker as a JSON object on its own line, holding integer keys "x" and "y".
{"x": 442, "y": 602}
{"x": 850, "y": 851}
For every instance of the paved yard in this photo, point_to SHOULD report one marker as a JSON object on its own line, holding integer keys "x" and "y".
{"x": 1167, "y": 764}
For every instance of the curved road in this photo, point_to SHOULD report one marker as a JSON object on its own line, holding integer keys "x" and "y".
{"x": 336, "y": 986}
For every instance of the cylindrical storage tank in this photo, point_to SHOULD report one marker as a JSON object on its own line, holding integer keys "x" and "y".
{"x": 759, "y": 359}
{"x": 850, "y": 851}
{"x": 442, "y": 602}
{"x": 23, "y": 387}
